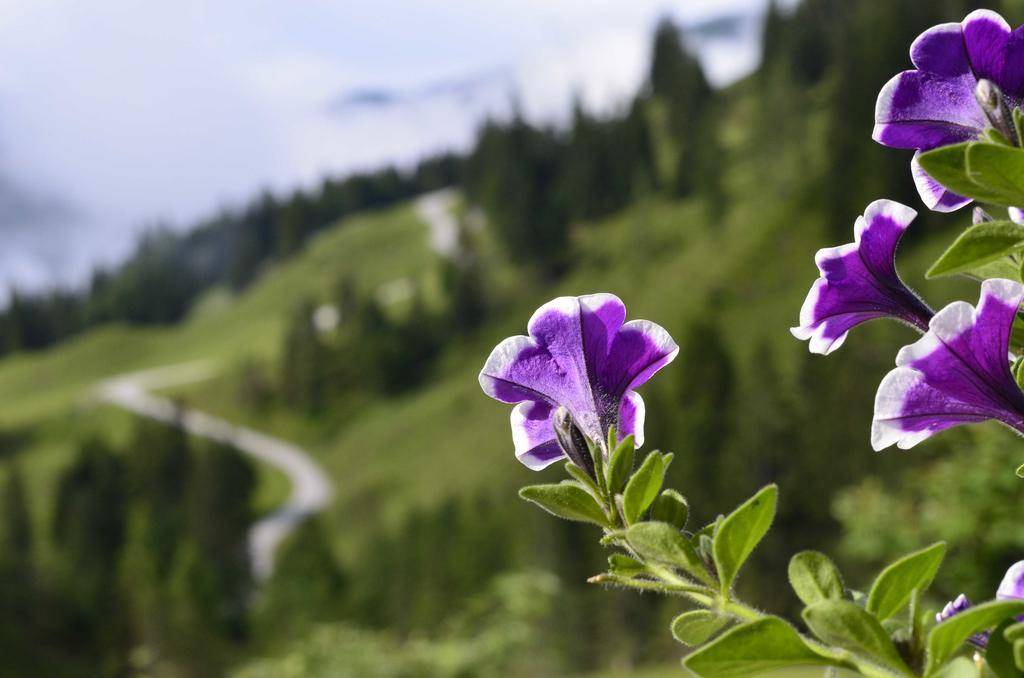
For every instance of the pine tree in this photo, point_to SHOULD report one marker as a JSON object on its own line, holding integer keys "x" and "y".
{"x": 219, "y": 515}
{"x": 307, "y": 587}
{"x": 16, "y": 574}
{"x": 159, "y": 465}
{"x": 303, "y": 373}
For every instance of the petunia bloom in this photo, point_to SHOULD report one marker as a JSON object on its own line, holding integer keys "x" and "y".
{"x": 1011, "y": 588}
{"x": 579, "y": 355}
{"x": 859, "y": 281}
{"x": 957, "y": 373}
{"x": 936, "y": 104}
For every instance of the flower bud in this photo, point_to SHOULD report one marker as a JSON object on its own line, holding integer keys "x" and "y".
{"x": 572, "y": 442}
{"x": 991, "y": 100}
{"x": 988, "y": 95}
{"x": 958, "y": 605}
{"x": 980, "y": 216}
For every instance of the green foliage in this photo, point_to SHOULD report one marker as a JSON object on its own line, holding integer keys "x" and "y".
{"x": 948, "y": 165}
{"x": 944, "y": 500}
{"x": 740, "y": 532}
{"x": 620, "y": 466}
{"x": 665, "y": 544}
{"x": 697, "y": 626}
{"x": 998, "y": 167}
{"x": 566, "y": 500}
{"x": 89, "y": 523}
{"x": 990, "y": 172}
{"x": 814, "y": 578}
{"x": 947, "y": 637}
{"x": 303, "y": 380}
{"x": 671, "y": 507}
{"x": 898, "y": 582}
{"x": 501, "y": 631}
{"x": 754, "y": 649}
{"x": 643, "y": 487}
{"x": 979, "y": 245}
{"x": 847, "y": 625}
{"x": 999, "y": 653}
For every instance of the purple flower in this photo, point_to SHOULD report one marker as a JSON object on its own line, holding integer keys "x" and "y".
{"x": 959, "y": 604}
{"x": 936, "y": 104}
{"x": 957, "y": 373}
{"x": 1011, "y": 588}
{"x": 578, "y": 355}
{"x": 859, "y": 281}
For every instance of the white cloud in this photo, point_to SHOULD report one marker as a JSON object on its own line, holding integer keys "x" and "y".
{"x": 134, "y": 112}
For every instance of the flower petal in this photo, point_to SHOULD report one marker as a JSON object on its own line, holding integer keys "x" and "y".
{"x": 859, "y": 281}
{"x": 940, "y": 50}
{"x": 631, "y": 417}
{"x": 549, "y": 365}
{"x": 933, "y": 194}
{"x": 919, "y": 134}
{"x": 639, "y": 349}
{"x": 534, "y": 436}
{"x": 986, "y": 35}
{"x": 958, "y": 372}
{"x": 922, "y": 97}
{"x": 1012, "y": 586}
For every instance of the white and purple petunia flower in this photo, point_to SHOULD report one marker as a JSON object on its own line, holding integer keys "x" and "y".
{"x": 859, "y": 281}
{"x": 579, "y": 355}
{"x": 1010, "y": 588}
{"x": 957, "y": 373}
{"x": 936, "y": 104}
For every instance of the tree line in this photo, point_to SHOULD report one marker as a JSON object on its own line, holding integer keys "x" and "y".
{"x": 169, "y": 269}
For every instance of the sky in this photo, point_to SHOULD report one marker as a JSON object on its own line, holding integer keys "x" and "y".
{"x": 119, "y": 115}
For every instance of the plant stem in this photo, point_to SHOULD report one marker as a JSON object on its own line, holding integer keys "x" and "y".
{"x": 742, "y": 610}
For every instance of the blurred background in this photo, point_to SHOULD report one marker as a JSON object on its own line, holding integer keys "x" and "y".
{"x": 314, "y": 220}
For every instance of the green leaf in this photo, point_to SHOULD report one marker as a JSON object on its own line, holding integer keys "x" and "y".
{"x": 697, "y": 627}
{"x": 566, "y": 500}
{"x": 979, "y": 245}
{"x": 948, "y": 166}
{"x": 1015, "y": 631}
{"x": 585, "y": 480}
{"x": 621, "y": 564}
{"x": 663, "y": 543}
{"x": 643, "y": 487}
{"x": 961, "y": 667}
{"x": 998, "y": 168}
{"x": 894, "y": 586}
{"x": 947, "y": 637}
{"x": 846, "y": 625}
{"x": 741, "y": 531}
{"x": 754, "y": 649}
{"x": 1018, "y": 122}
{"x": 814, "y": 577}
{"x": 1017, "y": 369}
{"x": 671, "y": 507}
{"x": 999, "y": 653}
{"x": 621, "y": 464}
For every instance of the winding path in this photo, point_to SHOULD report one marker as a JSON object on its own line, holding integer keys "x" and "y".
{"x": 311, "y": 488}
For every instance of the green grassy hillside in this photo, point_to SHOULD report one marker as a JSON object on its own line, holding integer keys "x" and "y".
{"x": 48, "y": 401}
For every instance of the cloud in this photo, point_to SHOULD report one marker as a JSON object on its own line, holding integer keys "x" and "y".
{"x": 137, "y": 112}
